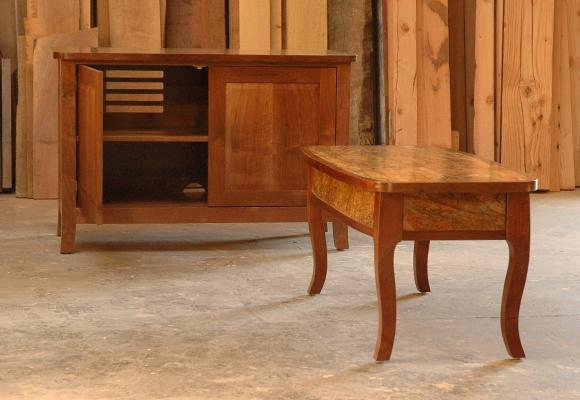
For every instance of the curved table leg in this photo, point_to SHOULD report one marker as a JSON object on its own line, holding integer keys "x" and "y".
{"x": 340, "y": 235}
{"x": 388, "y": 232}
{"x": 420, "y": 265}
{"x": 518, "y": 238}
{"x": 318, "y": 240}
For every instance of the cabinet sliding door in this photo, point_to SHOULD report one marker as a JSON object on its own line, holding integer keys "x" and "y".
{"x": 259, "y": 118}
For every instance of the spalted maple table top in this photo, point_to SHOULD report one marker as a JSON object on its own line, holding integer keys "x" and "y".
{"x": 414, "y": 169}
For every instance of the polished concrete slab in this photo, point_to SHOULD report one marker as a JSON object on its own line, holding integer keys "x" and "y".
{"x": 220, "y": 312}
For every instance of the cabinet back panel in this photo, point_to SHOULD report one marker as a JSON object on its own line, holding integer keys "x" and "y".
{"x": 153, "y": 168}
{"x": 179, "y": 99}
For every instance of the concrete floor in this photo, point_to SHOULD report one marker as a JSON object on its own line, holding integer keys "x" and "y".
{"x": 220, "y": 312}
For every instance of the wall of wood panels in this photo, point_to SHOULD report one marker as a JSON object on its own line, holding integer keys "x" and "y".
{"x": 515, "y": 87}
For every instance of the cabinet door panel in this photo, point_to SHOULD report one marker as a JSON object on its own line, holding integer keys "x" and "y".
{"x": 90, "y": 150}
{"x": 257, "y": 126}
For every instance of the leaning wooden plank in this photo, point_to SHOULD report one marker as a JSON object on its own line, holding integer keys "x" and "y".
{"x": 53, "y": 16}
{"x": 250, "y": 24}
{"x": 470, "y": 18}
{"x": 527, "y": 87}
{"x": 539, "y": 105}
{"x": 85, "y": 14}
{"x": 574, "y": 49}
{"x": 484, "y": 116}
{"x": 305, "y": 25}
{"x": 557, "y": 114}
{"x": 195, "y": 24}
{"x": 401, "y": 38}
{"x": 131, "y": 23}
{"x": 563, "y": 162}
{"x": 45, "y": 108}
{"x": 24, "y": 120}
{"x": 6, "y": 126}
{"x": 499, "y": 26}
{"x": 276, "y": 24}
{"x": 434, "y": 96}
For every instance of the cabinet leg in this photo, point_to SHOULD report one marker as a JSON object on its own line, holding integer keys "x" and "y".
{"x": 68, "y": 235}
{"x": 318, "y": 240}
{"x": 421, "y": 265}
{"x": 340, "y": 235}
{"x": 388, "y": 232}
{"x": 58, "y": 226}
{"x": 518, "y": 238}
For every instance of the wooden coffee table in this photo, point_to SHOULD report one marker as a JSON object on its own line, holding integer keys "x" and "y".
{"x": 420, "y": 194}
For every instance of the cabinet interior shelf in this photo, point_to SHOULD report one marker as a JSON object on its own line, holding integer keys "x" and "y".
{"x": 157, "y": 135}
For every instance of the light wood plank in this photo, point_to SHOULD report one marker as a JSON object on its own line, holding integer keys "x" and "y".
{"x": 6, "y": 126}
{"x": 276, "y": 24}
{"x": 484, "y": 102}
{"x": 434, "y": 95}
{"x": 499, "y": 26}
{"x": 527, "y": 87}
{"x": 134, "y": 23}
{"x": 402, "y": 70}
{"x": 306, "y": 25}
{"x": 574, "y": 51}
{"x": 45, "y": 109}
{"x": 563, "y": 162}
{"x": 250, "y": 24}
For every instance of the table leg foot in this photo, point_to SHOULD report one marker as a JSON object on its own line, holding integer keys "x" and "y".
{"x": 318, "y": 240}
{"x": 387, "y": 234}
{"x": 518, "y": 238}
{"x": 340, "y": 235}
{"x": 420, "y": 265}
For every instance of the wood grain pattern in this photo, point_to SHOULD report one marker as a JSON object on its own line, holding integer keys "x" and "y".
{"x": 401, "y": 38}
{"x": 6, "y": 124}
{"x": 353, "y": 202}
{"x": 574, "y": 52}
{"x": 434, "y": 96}
{"x": 457, "y": 69}
{"x": 45, "y": 109}
{"x": 527, "y": 87}
{"x": 305, "y": 25}
{"x": 195, "y": 24}
{"x": 269, "y": 114}
{"x": 133, "y": 24}
{"x": 454, "y": 212}
{"x": 484, "y": 97}
{"x": 90, "y": 112}
{"x": 250, "y": 24}
{"x": 408, "y": 169}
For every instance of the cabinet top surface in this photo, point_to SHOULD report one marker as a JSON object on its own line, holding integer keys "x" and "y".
{"x": 409, "y": 169}
{"x": 110, "y": 54}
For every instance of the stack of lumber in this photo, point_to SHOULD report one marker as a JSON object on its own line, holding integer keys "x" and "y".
{"x": 516, "y": 85}
{"x": 47, "y": 24}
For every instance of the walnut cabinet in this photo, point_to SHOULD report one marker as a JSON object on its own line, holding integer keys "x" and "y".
{"x": 176, "y": 136}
